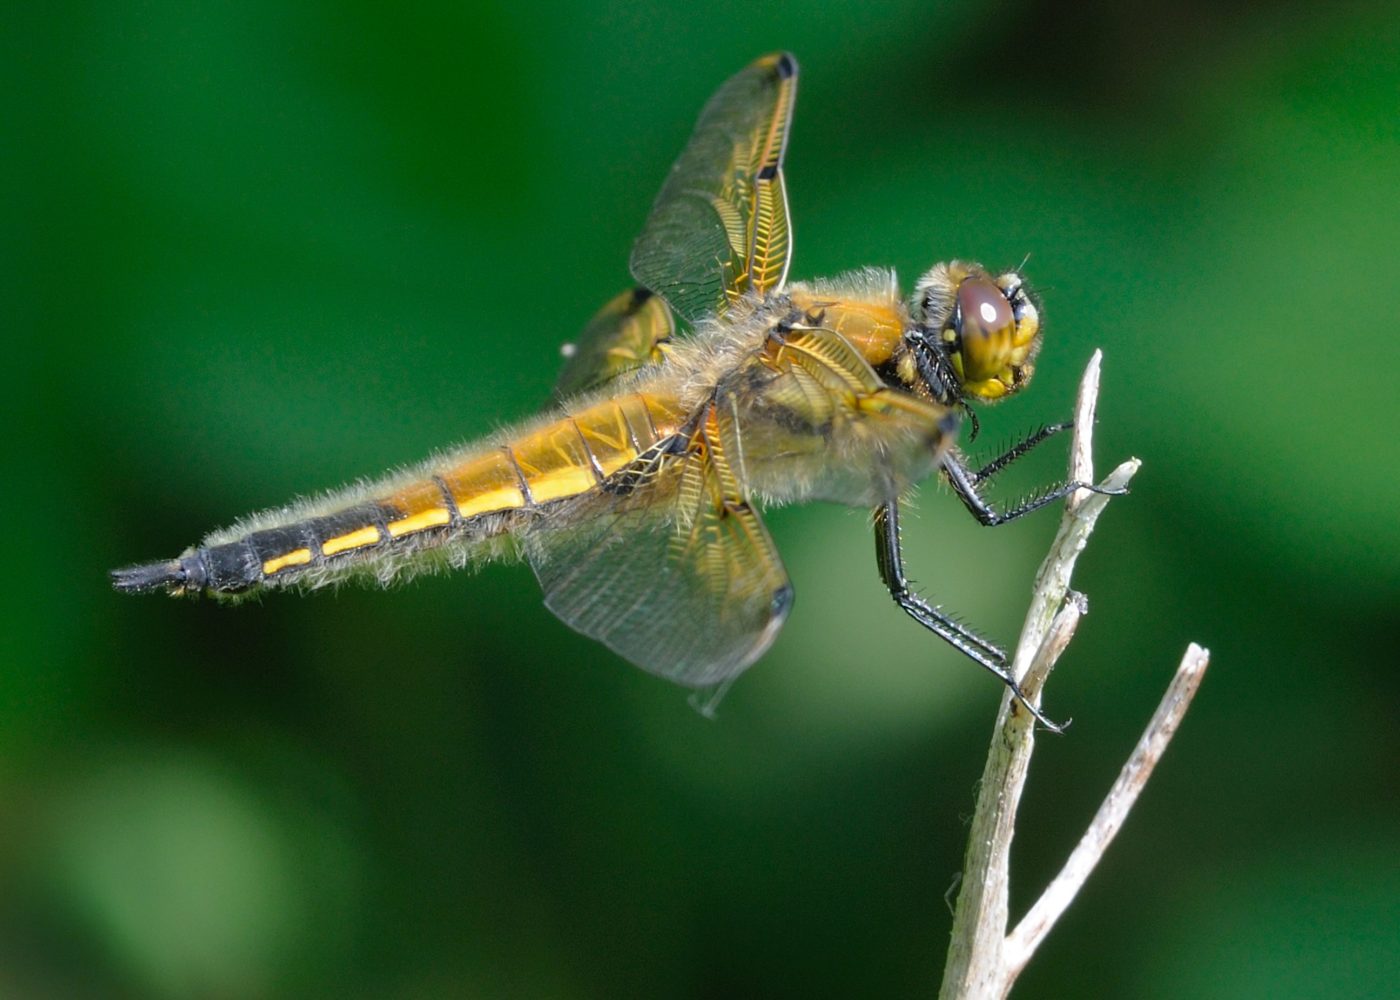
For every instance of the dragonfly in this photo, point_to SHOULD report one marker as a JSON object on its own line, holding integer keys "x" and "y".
{"x": 712, "y": 388}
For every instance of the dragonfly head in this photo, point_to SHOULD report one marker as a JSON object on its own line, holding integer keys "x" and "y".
{"x": 978, "y": 335}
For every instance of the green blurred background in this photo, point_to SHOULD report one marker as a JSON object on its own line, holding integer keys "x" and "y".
{"x": 252, "y": 250}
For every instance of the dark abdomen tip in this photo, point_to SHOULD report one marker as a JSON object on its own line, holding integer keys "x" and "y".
{"x": 149, "y": 577}
{"x": 173, "y": 576}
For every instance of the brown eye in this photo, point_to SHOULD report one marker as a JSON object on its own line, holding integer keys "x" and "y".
{"x": 984, "y": 310}
{"x": 985, "y": 327}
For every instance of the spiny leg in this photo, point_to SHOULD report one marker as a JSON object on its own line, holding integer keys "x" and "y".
{"x": 965, "y": 482}
{"x": 1019, "y": 449}
{"x": 890, "y": 560}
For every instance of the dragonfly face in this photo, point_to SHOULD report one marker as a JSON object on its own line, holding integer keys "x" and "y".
{"x": 977, "y": 336}
{"x": 709, "y": 386}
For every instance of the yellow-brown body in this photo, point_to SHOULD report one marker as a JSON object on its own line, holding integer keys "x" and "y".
{"x": 803, "y": 432}
{"x": 631, "y": 500}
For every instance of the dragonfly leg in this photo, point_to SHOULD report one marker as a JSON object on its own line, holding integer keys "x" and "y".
{"x": 965, "y": 483}
{"x": 1019, "y": 449}
{"x": 890, "y": 560}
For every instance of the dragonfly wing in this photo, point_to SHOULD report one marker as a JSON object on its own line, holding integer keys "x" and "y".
{"x": 718, "y": 229}
{"x": 720, "y": 225}
{"x": 626, "y": 334}
{"x": 667, "y": 563}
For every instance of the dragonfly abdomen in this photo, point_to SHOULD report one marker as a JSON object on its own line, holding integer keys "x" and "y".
{"x": 308, "y": 551}
{"x": 452, "y": 508}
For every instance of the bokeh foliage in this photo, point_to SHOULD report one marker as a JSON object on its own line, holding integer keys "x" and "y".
{"x": 252, "y": 250}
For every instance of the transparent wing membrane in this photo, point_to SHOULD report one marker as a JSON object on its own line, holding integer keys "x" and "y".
{"x": 720, "y": 225}
{"x": 626, "y": 334}
{"x": 719, "y": 228}
{"x": 667, "y": 563}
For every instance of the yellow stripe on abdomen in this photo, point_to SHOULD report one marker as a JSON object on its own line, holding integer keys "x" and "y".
{"x": 356, "y": 539}
{"x": 565, "y": 458}
{"x": 555, "y": 462}
{"x": 562, "y": 459}
{"x": 421, "y": 521}
{"x": 296, "y": 557}
{"x": 484, "y": 485}
{"x": 573, "y": 455}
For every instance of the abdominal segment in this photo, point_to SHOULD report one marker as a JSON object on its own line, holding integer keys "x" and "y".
{"x": 451, "y": 512}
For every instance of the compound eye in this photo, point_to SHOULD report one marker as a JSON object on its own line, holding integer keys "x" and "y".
{"x": 986, "y": 327}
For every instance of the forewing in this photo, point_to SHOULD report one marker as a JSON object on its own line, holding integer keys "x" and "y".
{"x": 626, "y": 334}
{"x": 667, "y": 563}
{"x": 720, "y": 225}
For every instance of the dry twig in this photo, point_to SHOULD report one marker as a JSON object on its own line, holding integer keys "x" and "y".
{"x": 983, "y": 960}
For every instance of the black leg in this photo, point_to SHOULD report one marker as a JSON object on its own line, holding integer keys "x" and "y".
{"x": 1019, "y": 449}
{"x": 964, "y": 482}
{"x": 890, "y": 560}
